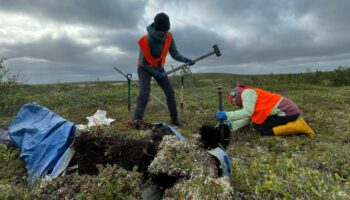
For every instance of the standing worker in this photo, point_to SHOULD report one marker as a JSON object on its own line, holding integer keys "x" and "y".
{"x": 269, "y": 113}
{"x": 154, "y": 48}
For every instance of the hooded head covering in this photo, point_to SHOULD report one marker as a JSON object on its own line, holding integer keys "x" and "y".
{"x": 161, "y": 22}
{"x": 232, "y": 96}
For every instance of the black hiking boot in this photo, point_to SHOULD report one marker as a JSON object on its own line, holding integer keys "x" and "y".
{"x": 176, "y": 122}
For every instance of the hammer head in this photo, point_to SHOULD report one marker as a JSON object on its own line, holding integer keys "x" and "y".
{"x": 217, "y": 50}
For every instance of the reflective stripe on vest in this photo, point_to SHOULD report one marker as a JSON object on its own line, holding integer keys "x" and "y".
{"x": 146, "y": 51}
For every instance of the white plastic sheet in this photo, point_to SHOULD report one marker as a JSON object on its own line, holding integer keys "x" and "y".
{"x": 99, "y": 118}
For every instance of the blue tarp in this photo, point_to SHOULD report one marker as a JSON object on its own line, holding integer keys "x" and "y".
{"x": 43, "y": 137}
{"x": 224, "y": 159}
{"x": 171, "y": 129}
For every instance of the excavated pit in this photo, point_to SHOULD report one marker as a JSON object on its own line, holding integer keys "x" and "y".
{"x": 127, "y": 152}
{"x": 121, "y": 150}
{"x": 210, "y": 136}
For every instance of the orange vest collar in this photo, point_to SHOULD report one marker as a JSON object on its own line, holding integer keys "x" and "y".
{"x": 146, "y": 51}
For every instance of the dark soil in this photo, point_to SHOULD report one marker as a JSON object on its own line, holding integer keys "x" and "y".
{"x": 210, "y": 136}
{"x": 128, "y": 153}
{"x": 164, "y": 180}
{"x": 120, "y": 150}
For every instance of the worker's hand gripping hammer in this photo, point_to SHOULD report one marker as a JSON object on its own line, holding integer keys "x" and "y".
{"x": 215, "y": 51}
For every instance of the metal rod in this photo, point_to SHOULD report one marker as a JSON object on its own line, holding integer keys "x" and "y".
{"x": 182, "y": 93}
{"x": 137, "y": 84}
{"x": 222, "y": 130}
{"x": 129, "y": 76}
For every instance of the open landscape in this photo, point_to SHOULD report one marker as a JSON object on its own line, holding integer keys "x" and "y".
{"x": 146, "y": 99}
{"x": 292, "y": 167}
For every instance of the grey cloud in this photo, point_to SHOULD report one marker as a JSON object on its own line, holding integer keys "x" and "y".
{"x": 62, "y": 49}
{"x": 66, "y": 60}
{"x": 271, "y": 36}
{"x": 270, "y": 30}
{"x": 126, "y": 40}
{"x": 112, "y": 14}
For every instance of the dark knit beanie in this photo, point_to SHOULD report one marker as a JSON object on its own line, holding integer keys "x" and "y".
{"x": 161, "y": 22}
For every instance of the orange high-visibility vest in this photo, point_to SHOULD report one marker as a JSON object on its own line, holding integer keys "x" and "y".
{"x": 264, "y": 104}
{"x": 146, "y": 51}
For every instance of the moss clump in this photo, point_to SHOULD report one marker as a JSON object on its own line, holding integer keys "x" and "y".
{"x": 182, "y": 159}
{"x": 112, "y": 182}
{"x": 197, "y": 171}
{"x": 201, "y": 187}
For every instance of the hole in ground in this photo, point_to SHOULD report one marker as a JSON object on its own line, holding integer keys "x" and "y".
{"x": 210, "y": 136}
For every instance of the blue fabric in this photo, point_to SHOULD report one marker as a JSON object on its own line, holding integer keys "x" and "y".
{"x": 42, "y": 136}
{"x": 221, "y": 115}
{"x": 224, "y": 159}
{"x": 172, "y": 130}
{"x": 224, "y": 123}
{"x": 62, "y": 163}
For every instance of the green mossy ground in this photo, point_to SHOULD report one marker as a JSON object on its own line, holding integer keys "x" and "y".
{"x": 294, "y": 167}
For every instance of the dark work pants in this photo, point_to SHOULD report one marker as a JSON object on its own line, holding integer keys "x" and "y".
{"x": 266, "y": 128}
{"x": 145, "y": 90}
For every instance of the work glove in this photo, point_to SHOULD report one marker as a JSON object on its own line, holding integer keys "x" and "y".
{"x": 190, "y": 62}
{"x": 225, "y": 123}
{"x": 221, "y": 115}
{"x": 160, "y": 75}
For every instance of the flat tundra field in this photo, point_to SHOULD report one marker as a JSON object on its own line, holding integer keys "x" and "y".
{"x": 293, "y": 167}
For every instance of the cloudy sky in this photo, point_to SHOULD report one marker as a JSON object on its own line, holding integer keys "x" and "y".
{"x": 50, "y": 41}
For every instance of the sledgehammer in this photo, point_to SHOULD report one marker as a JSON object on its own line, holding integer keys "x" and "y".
{"x": 215, "y": 51}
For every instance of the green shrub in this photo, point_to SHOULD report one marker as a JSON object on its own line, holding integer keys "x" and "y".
{"x": 340, "y": 77}
{"x": 286, "y": 180}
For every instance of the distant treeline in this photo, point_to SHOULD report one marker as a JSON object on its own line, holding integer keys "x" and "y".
{"x": 338, "y": 77}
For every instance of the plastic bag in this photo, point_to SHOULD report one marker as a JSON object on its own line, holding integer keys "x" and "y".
{"x": 99, "y": 118}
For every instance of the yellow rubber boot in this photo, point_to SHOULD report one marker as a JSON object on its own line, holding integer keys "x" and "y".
{"x": 296, "y": 127}
{"x": 283, "y": 130}
{"x": 301, "y": 126}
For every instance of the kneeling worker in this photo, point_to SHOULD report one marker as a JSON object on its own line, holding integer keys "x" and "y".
{"x": 269, "y": 113}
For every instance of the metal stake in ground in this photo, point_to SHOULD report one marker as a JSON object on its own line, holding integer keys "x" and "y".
{"x": 222, "y": 130}
{"x": 137, "y": 84}
{"x": 182, "y": 93}
{"x": 129, "y": 77}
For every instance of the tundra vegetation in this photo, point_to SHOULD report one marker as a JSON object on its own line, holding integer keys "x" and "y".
{"x": 294, "y": 167}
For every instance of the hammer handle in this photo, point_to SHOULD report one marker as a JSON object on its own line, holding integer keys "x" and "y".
{"x": 185, "y": 64}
